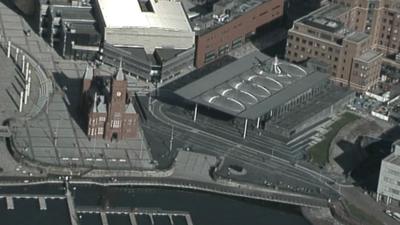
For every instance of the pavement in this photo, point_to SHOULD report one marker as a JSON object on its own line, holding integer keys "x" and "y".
{"x": 350, "y": 133}
{"x": 258, "y": 163}
{"x": 366, "y": 203}
{"x": 55, "y": 136}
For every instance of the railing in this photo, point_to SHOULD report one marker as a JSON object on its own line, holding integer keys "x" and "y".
{"x": 45, "y": 83}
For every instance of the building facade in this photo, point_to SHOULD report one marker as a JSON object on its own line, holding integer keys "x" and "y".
{"x": 229, "y": 25}
{"x": 325, "y": 34}
{"x": 351, "y": 35}
{"x": 71, "y": 29}
{"x": 380, "y": 18}
{"x": 148, "y": 24}
{"x": 109, "y": 109}
{"x": 389, "y": 176}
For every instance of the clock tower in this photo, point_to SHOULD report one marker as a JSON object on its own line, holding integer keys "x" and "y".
{"x": 116, "y": 106}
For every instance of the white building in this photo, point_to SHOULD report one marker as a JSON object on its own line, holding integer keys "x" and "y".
{"x": 149, "y": 24}
{"x": 389, "y": 177}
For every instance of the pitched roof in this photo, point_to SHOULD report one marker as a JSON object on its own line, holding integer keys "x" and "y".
{"x": 120, "y": 74}
{"x": 88, "y": 75}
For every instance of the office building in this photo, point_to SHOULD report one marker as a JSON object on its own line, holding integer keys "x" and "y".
{"x": 389, "y": 176}
{"x": 229, "y": 24}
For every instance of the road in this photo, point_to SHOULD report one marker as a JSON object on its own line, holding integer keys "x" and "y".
{"x": 220, "y": 146}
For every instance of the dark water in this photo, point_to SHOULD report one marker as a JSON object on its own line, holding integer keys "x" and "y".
{"x": 205, "y": 208}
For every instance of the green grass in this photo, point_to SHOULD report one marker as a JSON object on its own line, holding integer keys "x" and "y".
{"x": 320, "y": 152}
{"x": 360, "y": 215}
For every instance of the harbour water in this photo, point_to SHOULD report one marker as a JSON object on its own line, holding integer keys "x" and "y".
{"x": 204, "y": 208}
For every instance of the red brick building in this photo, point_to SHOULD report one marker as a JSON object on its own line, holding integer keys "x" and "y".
{"x": 109, "y": 109}
{"x": 230, "y": 24}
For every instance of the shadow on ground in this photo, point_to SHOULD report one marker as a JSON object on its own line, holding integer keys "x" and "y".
{"x": 366, "y": 172}
{"x": 71, "y": 89}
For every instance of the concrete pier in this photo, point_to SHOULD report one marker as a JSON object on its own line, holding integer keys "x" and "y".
{"x": 42, "y": 203}
{"x": 10, "y": 203}
{"x": 151, "y": 219}
{"x": 71, "y": 208}
{"x": 171, "y": 220}
{"x": 188, "y": 219}
{"x": 132, "y": 218}
{"x": 103, "y": 217}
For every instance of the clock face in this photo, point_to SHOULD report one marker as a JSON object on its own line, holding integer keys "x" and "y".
{"x": 118, "y": 93}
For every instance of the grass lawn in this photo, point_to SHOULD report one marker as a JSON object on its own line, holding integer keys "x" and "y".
{"x": 361, "y": 215}
{"x": 320, "y": 152}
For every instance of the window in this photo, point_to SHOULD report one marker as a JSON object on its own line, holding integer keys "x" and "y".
{"x": 394, "y": 191}
{"x": 116, "y": 124}
{"x": 100, "y": 130}
{"x": 102, "y": 119}
{"x": 237, "y": 43}
{"x": 210, "y": 56}
{"x": 223, "y": 49}
{"x": 325, "y": 36}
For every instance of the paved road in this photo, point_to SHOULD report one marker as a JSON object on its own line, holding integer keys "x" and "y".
{"x": 367, "y": 204}
{"x": 219, "y": 146}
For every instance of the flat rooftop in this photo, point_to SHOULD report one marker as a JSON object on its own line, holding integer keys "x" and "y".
{"x": 251, "y": 86}
{"x": 206, "y": 21}
{"x": 162, "y": 14}
{"x": 73, "y": 13}
{"x": 321, "y": 102}
{"x": 325, "y": 18}
{"x": 393, "y": 159}
{"x": 357, "y": 36}
{"x": 369, "y": 56}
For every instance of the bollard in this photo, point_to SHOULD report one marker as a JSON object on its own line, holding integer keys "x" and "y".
{"x": 21, "y": 96}
{"x": 26, "y": 94}
{"x": 29, "y": 85}
{"x": 23, "y": 63}
{"x": 16, "y": 55}
{"x": 26, "y": 70}
{"x": 8, "y": 49}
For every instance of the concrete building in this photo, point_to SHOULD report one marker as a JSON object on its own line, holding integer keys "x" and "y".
{"x": 268, "y": 94}
{"x": 41, "y": 7}
{"x": 389, "y": 176}
{"x": 351, "y": 35}
{"x": 158, "y": 66}
{"x": 229, "y": 24}
{"x": 108, "y": 108}
{"x": 148, "y": 24}
{"x": 154, "y": 39}
{"x": 72, "y": 30}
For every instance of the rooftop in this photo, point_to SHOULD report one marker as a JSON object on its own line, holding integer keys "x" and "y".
{"x": 73, "y": 13}
{"x": 325, "y": 18}
{"x": 357, "y": 36}
{"x": 251, "y": 86}
{"x": 394, "y": 157}
{"x": 222, "y": 12}
{"x": 324, "y": 100}
{"x": 369, "y": 56}
{"x": 162, "y": 14}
